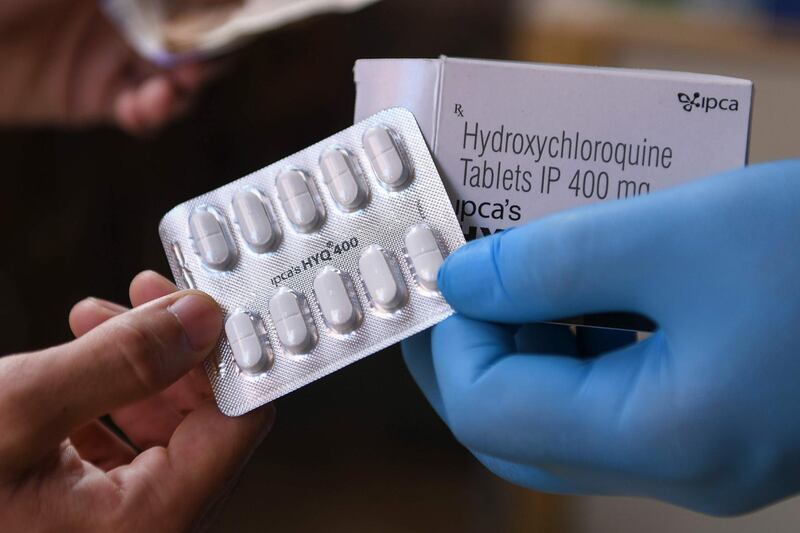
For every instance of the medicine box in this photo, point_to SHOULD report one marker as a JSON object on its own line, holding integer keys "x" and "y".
{"x": 515, "y": 141}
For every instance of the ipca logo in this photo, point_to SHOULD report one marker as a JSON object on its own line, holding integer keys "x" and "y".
{"x": 689, "y": 102}
{"x": 707, "y": 103}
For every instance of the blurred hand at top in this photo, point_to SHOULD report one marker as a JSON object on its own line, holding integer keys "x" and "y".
{"x": 65, "y": 63}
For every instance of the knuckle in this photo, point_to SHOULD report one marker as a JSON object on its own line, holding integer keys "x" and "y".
{"x": 143, "y": 351}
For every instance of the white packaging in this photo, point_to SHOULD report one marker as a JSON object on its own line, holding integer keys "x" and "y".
{"x": 167, "y": 31}
{"x": 499, "y": 131}
{"x": 518, "y": 141}
{"x": 306, "y": 293}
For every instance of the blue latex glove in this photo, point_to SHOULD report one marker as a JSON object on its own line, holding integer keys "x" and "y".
{"x": 705, "y": 413}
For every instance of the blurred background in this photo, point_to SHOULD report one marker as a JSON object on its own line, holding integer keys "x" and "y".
{"x": 360, "y": 450}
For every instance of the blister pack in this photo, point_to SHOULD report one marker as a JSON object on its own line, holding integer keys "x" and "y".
{"x": 318, "y": 260}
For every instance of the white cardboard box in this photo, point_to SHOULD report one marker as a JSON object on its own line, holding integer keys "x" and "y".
{"x": 517, "y": 141}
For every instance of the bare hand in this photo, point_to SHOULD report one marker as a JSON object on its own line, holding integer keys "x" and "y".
{"x": 63, "y": 470}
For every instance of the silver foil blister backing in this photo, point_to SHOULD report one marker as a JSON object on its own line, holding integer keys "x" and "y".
{"x": 248, "y": 284}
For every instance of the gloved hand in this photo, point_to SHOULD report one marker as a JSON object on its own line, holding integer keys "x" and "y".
{"x": 704, "y": 414}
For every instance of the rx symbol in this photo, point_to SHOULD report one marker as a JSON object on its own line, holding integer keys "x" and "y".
{"x": 459, "y": 111}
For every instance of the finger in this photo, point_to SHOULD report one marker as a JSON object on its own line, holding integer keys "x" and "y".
{"x": 148, "y": 422}
{"x": 194, "y": 388}
{"x": 191, "y": 391}
{"x": 559, "y": 480}
{"x": 532, "y": 477}
{"x": 188, "y": 77}
{"x": 530, "y": 338}
{"x": 151, "y": 422}
{"x": 155, "y": 101}
{"x": 127, "y": 358}
{"x": 419, "y": 360}
{"x": 142, "y": 109}
{"x": 207, "y": 451}
{"x": 627, "y": 256}
{"x": 148, "y": 286}
{"x": 96, "y": 444}
{"x": 543, "y": 409}
{"x": 126, "y": 112}
{"x": 90, "y": 313}
{"x": 542, "y": 271}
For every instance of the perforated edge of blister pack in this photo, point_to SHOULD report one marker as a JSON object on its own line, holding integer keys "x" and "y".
{"x": 253, "y": 279}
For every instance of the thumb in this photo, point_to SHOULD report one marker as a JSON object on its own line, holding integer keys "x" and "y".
{"x": 656, "y": 255}
{"x": 595, "y": 259}
{"x": 48, "y": 394}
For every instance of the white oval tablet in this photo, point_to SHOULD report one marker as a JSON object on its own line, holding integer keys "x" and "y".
{"x": 342, "y": 179}
{"x": 294, "y": 332}
{"x": 384, "y": 156}
{"x": 425, "y": 255}
{"x": 258, "y": 229}
{"x": 248, "y": 351}
{"x": 209, "y": 237}
{"x": 336, "y": 301}
{"x": 384, "y": 288}
{"x": 297, "y": 198}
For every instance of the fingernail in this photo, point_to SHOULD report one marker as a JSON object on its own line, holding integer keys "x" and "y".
{"x": 110, "y": 306}
{"x": 201, "y": 319}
